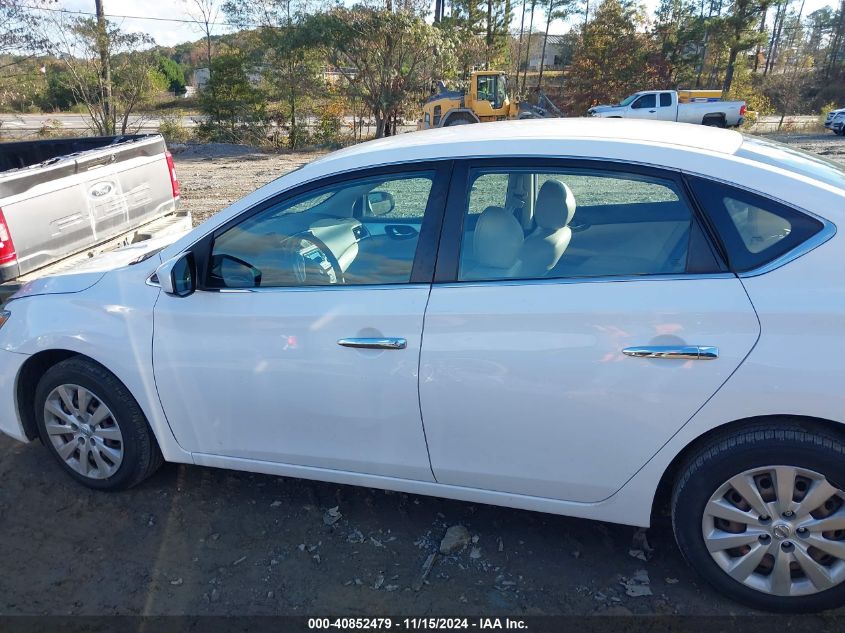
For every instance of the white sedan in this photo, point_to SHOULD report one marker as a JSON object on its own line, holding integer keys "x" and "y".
{"x": 592, "y": 317}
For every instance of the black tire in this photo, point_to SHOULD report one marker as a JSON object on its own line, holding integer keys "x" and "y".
{"x": 141, "y": 453}
{"x": 714, "y": 121}
{"x": 458, "y": 120}
{"x": 782, "y": 442}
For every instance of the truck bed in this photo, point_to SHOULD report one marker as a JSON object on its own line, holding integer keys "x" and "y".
{"x": 60, "y": 198}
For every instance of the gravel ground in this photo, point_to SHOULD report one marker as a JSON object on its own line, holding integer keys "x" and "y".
{"x": 198, "y": 540}
{"x": 214, "y": 176}
{"x": 826, "y": 145}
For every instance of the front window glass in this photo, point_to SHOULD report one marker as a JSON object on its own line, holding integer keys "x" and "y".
{"x": 358, "y": 232}
{"x": 646, "y": 101}
{"x": 533, "y": 224}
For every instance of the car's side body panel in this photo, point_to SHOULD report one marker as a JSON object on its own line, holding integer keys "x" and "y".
{"x": 525, "y": 389}
{"x": 795, "y": 368}
{"x": 260, "y": 375}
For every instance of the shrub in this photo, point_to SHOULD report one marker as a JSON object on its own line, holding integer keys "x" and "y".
{"x": 330, "y": 124}
{"x": 52, "y": 128}
{"x": 173, "y": 129}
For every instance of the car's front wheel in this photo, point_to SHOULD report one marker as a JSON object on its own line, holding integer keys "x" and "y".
{"x": 94, "y": 427}
{"x": 760, "y": 514}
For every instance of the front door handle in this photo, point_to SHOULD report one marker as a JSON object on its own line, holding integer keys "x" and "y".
{"x": 373, "y": 343}
{"x": 672, "y": 352}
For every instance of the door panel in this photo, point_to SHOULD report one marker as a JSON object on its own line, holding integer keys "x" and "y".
{"x": 252, "y": 364}
{"x": 524, "y": 387}
{"x": 260, "y": 375}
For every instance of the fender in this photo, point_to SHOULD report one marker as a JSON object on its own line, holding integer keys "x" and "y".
{"x": 91, "y": 324}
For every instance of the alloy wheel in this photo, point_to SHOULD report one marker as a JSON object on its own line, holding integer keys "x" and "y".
{"x": 83, "y": 431}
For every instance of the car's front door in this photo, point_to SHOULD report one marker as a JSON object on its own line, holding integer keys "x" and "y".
{"x": 302, "y": 344}
{"x": 585, "y": 320}
{"x": 645, "y": 107}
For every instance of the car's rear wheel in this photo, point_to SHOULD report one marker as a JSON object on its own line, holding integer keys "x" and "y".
{"x": 94, "y": 427}
{"x": 760, "y": 514}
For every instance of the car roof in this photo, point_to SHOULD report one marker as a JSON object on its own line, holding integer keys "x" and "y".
{"x": 532, "y": 137}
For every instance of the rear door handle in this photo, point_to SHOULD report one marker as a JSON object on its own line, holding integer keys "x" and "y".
{"x": 373, "y": 343}
{"x": 672, "y": 352}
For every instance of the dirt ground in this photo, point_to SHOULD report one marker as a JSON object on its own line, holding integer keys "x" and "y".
{"x": 197, "y": 540}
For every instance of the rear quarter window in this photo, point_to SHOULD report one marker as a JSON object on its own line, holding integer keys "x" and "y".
{"x": 753, "y": 229}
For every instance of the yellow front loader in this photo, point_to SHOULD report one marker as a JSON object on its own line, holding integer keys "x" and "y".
{"x": 486, "y": 100}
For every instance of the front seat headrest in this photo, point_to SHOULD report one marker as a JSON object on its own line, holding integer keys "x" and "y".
{"x": 497, "y": 239}
{"x": 555, "y": 206}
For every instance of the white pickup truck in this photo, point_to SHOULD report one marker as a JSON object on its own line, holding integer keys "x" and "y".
{"x": 663, "y": 105}
{"x": 63, "y": 201}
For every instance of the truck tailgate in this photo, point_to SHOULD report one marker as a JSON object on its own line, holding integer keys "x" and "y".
{"x": 86, "y": 199}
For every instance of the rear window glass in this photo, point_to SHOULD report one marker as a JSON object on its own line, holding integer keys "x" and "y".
{"x": 753, "y": 229}
{"x": 791, "y": 159}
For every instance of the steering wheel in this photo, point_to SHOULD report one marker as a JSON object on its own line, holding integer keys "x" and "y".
{"x": 311, "y": 261}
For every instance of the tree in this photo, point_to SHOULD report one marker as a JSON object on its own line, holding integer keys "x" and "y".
{"x": 284, "y": 50}
{"x": 204, "y": 13}
{"x": 18, "y": 29}
{"x": 382, "y": 56}
{"x": 235, "y": 108}
{"x": 480, "y": 30}
{"x": 836, "y": 56}
{"x": 19, "y": 37}
{"x": 739, "y": 22}
{"x": 109, "y": 98}
{"x": 173, "y": 74}
{"x": 677, "y": 30}
{"x": 613, "y": 57}
{"x": 555, "y": 10}
{"x": 528, "y": 45}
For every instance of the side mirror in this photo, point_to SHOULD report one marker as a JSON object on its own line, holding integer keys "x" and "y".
{"x": 380, "y": 202}
{"x": 178, "y": 276}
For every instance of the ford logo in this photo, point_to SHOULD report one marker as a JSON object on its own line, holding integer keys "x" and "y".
{"x": 101, "y": 189}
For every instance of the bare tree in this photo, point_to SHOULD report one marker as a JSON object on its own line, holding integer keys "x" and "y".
{"x": 204, "y": 13}
{"x": 103, "y": 44}
{"x": 519, "y": 48}
{"x": 17, "y": 28}
{"x": 111, "y": 99}
{"x": 555, "y": 10}
{"x": 528, "y": 46}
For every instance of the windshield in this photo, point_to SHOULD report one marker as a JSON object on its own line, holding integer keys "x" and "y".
{"x": 492, "y": 88}
{"x": 628, "y": 100}
{"x": 789, "y": 158}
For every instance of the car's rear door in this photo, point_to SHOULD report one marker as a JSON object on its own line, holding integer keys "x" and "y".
{"x": 291, "y": 356}
{"x": 563, "y": 384}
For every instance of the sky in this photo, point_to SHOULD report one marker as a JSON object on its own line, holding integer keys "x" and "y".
{"x": 168, "y": 33}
